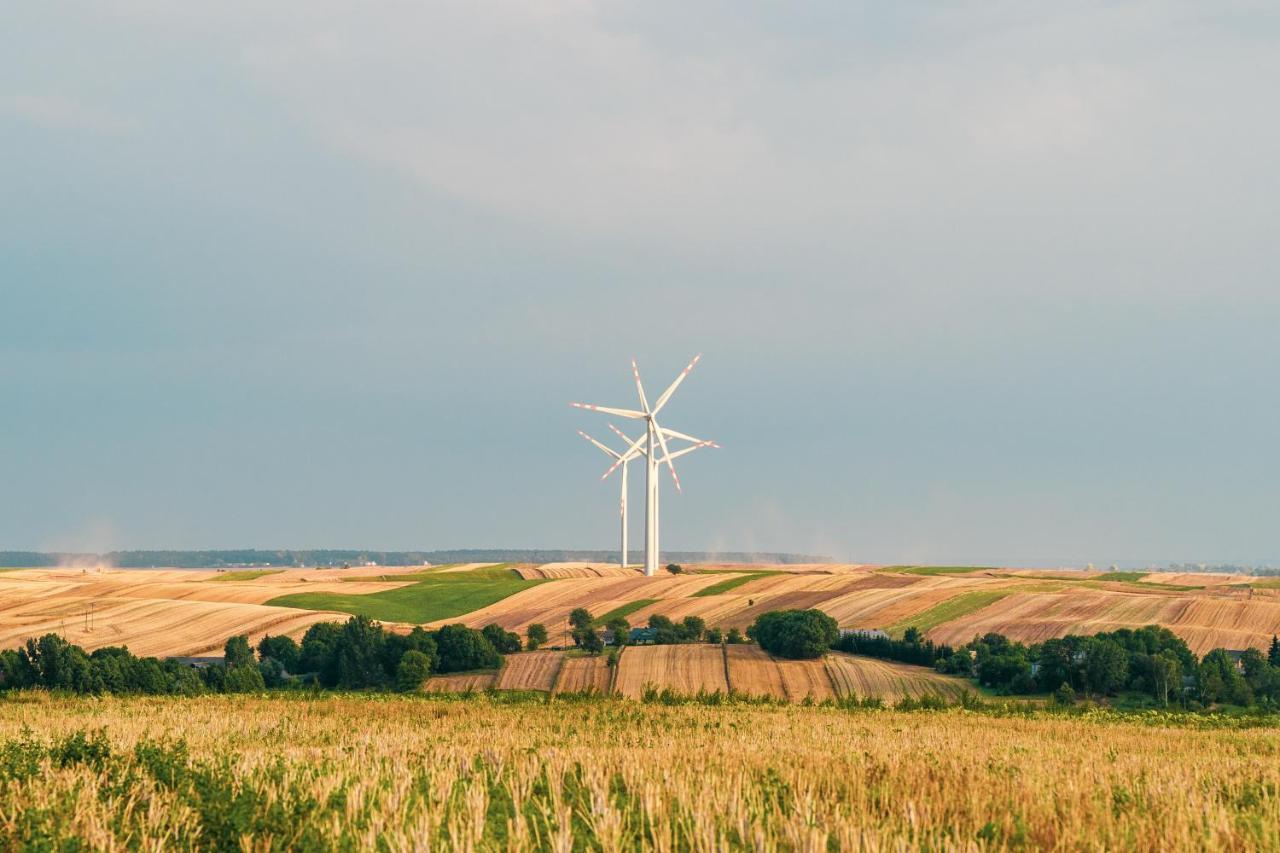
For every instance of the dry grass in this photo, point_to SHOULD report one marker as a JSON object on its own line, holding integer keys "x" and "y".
{"x": 423, "y": 773}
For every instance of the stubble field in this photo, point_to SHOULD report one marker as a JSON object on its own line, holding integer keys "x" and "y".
{"x": 424, "y": 773}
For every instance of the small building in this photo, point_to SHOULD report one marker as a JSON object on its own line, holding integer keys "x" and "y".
{"x": 641, "y": 636}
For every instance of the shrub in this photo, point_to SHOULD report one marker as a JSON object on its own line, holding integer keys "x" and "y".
{"x": 414, "y": 668}
{"x": 536, "y": 635}
{"x": 795, "y": 634}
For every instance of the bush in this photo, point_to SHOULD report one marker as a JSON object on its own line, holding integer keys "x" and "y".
{"x": 536, "y": 635}
{"x": 414, "y": 668}
{"x": 675, "y": 568}
{"x": 1064, "y": 696}
{"x": 798, "y": 634}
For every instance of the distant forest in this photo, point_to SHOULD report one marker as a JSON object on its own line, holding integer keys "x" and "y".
{"x": 251, "y": 557}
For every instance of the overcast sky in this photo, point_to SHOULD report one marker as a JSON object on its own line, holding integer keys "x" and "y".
{"x": 974, "y": 281}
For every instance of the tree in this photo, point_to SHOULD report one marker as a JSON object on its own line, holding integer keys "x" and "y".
{"x": 537, "y": 635}
{"x": 734, "y": 637}
{"x": 911, "y": 635}
{"x": 664, "y": 630}
{"x": 1273, "y": 655}
{"x": 580, "y": 618}
{"x": 621, "y": 630}
{"x": 237, "y": 652}
{"x": 243, "y": 678}
{"x": 715, "y": 635}
{"x": 692, "y": 628}
{"x": 1064, "y": 696}
{"x": 506, "y": 642}
{"x": 798, "y": 634}
{"x": 358, "y": 654}
{"x": 675, "y": 568}
{"x": 1106, "y": 666}
{"x": 461, "y": 648}
{"x": 282, "y": 650}
{"x": 317, "y": 650}
{"x": 414, "y": 668}
{"x": 590, "y": 641}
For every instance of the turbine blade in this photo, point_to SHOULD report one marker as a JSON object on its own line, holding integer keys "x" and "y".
{"x": 635, "y": 371}
{"x": 622, "y": 435}
{"x": 624, "y": 457}
{"x": 666, "y": 395}
{"x": 622, "y": 413}
{"x": 673, "y": 434}
{"x": 609, "y": 450}
{"x": 688, "y": 450}
{"x": 667, "y": 453}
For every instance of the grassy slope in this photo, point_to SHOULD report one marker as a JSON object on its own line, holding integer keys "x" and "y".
{"x": 433, "y": 596}
{"x": 246, "y": 575}
{"x": 945, "y": 611}
{"x": 626, "y": 609}
{"x": 731, "y": 583}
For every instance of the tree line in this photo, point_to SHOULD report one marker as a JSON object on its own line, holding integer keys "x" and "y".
{"x": 357, "y": 654}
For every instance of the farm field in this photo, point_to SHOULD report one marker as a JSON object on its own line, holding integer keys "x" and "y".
{"x": 192, "y": 612}
{"x": 424, "y": 772}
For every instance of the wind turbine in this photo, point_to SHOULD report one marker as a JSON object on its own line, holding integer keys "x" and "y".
{"x": 623, "y": 460}
{"x": 655, "y": 437}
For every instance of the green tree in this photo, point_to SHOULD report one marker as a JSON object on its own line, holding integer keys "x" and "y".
{"x": 358, "y": 654}
{"x": 413, "y": 670}
{"x": 461, "y": 648}
{"x": 911, "y": 635}
{"x": 243, "y": 679}
{"x": 580, "y": 618}
{"x": 281, "y": 649}
{"x": 1106, "y": 667}
{"x": 1273, "y": 655}
{"x": 621, "y": 630}
{"x": 733, "y": 637}
{"x": 715, "y": 635}
{"x": 692, "y": 628}
{"x": 237, "y": 652}
{"x": 675, "y": 568}
{"x": 798, "y": 634}
{"x": 536, "y": 635}
{"x": 1064, "y": 696}
{"x": 590, "y": 641}
{"x": 506, "y": 642}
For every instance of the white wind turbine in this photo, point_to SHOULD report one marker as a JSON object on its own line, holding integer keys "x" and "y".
{"x": 639, "y": 449}
{"x": 655, "y": 437}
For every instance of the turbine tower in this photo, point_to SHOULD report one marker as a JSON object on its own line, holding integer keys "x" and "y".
{"x": 623, "y": 460}
{"x": 655, "y": 437}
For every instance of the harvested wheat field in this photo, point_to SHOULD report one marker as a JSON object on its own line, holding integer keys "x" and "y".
{"x": 1204, "y": 621}
{"x": 530, "y": 671}
{"x": 216, "y": 773}
{"x": 861, "y": 677}
{"x": 583, "y": 675}
{"x": 577, "y": 570}
{"x": 462, "y": 683}
{"x": 753, "y": 672}
{"x": 685, "y": 670}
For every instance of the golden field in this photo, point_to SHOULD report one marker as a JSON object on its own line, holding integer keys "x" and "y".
{"x": 193, "y": 612}
{"x": 421, "y": 773}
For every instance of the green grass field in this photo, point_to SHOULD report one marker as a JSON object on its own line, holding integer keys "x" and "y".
{"x": 246, "y": 575}
{"x": 626, "y": 609}
{"x": 945, "y": 611}
{"x": 731, "y": 583}
{"x": 432, "y": 596}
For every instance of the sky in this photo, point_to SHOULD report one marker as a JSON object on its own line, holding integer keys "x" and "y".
{"x": 974, "y": 282}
